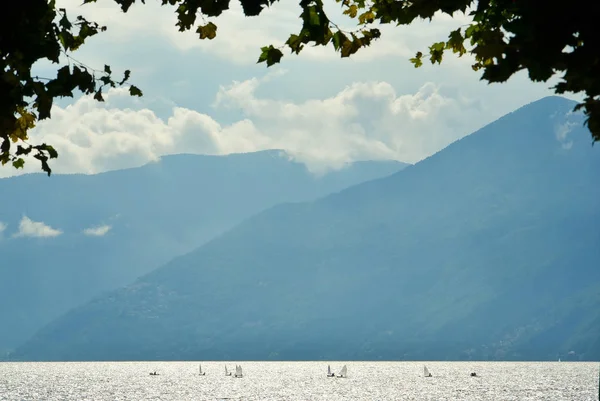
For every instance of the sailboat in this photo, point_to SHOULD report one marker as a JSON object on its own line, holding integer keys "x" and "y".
{"x": 329, "y": 374}
{"x": 426, "y": 372}
{"x": 201, "y": 372}
{"x": 343, "y": 372}
{"x": 226, "y": 372}
{"x": 238, "y": 371}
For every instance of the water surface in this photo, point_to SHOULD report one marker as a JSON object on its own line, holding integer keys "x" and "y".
{"x": 505, "y": 381}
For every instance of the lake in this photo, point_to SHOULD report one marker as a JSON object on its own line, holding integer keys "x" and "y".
{"x": 299, "y": 381}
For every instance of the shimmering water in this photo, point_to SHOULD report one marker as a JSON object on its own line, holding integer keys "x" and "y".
{"x": 299, "y": 381}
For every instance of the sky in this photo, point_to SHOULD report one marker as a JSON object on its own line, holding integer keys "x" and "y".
{"x": 211, "y": 97}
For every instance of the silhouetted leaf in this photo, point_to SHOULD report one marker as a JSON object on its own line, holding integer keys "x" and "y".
{"x": 135, "y": 91}
{"x": 270, "y": 55}
{"x": 19, "y": 163}
{"x": 208, "y": 31}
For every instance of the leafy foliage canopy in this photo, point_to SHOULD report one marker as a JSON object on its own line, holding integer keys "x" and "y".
{"x": 505, "y": 36}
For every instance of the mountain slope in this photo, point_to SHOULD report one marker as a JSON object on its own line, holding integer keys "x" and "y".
{"x": 486, "y": 250}
{"x": 155, "y": 212}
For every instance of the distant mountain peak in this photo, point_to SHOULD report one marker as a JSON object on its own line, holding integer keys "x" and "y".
{"x": 486, "y": 250}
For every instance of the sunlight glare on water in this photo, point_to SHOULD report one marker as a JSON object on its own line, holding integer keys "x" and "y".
{"x": 504, "y": 381}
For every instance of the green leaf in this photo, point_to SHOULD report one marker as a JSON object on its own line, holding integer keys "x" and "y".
{"x": 23, "y": 151}
{"x": 417, "y": 60}
{"x": 135, "y": 91}
{"x": 254, "y": 7}
{"x": 339, "y": 39}
{"x": 274, "y": 57}
{"x": 107, "y": 81}
{"x": 19, "y": 163}
{"x": 43, "y": 160}
{"x": 456, "y": 42}
{"x": 313, "y": 16}
{"x": 436, "y": 52}
{"x": 439, "y": 46}
{"x": 264, "y": 54}
{"x": 208, "y": 31}
{"x": 351, "y": 11}
{"x": 51, "y": 152}
{"x": 126, "y": 76}
{"x": 366, "y": 18}
{"x": 98, "y": 95}
{"x": 472, "y": 31}
{"x": 346, "y": 49}
{"x": 270, "y": 55}
{"x": 64, "y": 21}
{"x": 294, "y": 42}
{"x": 5, "y": 147}
{"x": 66, "y": 39}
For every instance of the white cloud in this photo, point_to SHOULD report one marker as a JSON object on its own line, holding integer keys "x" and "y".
{"x": 2, "y": 227}
{"x": 324, "y": 112}
{"x": 99, "y": 231}
{"x": 30, "y": 228}
{"x": 365, "y": 120}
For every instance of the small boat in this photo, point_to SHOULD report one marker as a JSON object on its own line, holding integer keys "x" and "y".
{"x": 473, "y": 374}
{"x": 329, "y": 374}
{"x": 238, "y": 371}
{"x": 343, "y": 372}
{"x": 426, "y": 372}
{"x": 227, "y": 373}
{"x": 153, "y": 373}
{"x": 201, "y": 372}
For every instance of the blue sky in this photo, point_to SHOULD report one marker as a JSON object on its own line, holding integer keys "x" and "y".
{"x": 210, "y": 97}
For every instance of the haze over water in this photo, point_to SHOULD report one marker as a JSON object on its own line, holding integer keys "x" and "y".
{"x": 299, "y": 381}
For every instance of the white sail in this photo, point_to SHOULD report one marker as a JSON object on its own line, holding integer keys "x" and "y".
{"x": 426, "y": 371}
{"x": 200, "y": 370}
{"x": 238, "y": 371}
{"x": 343, "y": 372}
{"x": 328, "y": 370}
{"x": 226, "y": 372}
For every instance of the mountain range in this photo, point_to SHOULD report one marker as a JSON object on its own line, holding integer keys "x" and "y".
{"x": 65, "y": 239}
{"x": 488, "y": 249}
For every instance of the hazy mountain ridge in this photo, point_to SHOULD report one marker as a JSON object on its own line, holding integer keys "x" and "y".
{"x": 485, "y": 250}
{"x": 155, "y": 212}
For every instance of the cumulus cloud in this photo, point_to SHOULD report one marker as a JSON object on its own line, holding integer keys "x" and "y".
{"x": 37, "y": 229}
{"x": 99, "y": 231}
{"x": 363, "y": 121}
{"x": 324, "y": 113}
{"x": 366, "y": 120}
{"x": 2, "y": 227}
